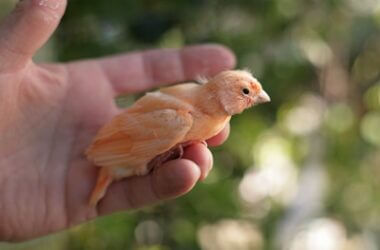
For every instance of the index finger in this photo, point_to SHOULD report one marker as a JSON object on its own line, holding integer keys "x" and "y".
{"x": 139, "y": 71}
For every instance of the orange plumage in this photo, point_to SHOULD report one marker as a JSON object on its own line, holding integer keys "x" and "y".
{"x": 147, "y": 133}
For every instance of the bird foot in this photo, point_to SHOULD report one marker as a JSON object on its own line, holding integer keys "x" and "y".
{"x": 174, "y": 153}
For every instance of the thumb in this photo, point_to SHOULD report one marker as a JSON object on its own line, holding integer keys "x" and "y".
{"x": 26, "y": 29}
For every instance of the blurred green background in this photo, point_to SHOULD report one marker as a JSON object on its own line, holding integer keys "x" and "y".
{"x": 300, "y": 173}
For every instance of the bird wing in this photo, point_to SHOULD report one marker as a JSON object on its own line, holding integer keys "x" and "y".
{"x": 134, "y": 138}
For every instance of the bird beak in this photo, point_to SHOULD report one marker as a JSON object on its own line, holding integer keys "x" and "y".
{"x": 262, "y": 97}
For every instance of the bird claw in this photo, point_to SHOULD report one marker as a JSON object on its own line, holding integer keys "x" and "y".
{"x": 173, "y": 154}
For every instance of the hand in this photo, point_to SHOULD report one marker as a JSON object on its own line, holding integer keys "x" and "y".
{"x": 50, "y": 112}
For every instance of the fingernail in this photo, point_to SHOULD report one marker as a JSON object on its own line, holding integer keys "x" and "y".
{"x": 211, "y": 162}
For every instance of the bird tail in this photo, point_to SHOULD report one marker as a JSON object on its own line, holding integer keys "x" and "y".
{"x": 104, "y": 180}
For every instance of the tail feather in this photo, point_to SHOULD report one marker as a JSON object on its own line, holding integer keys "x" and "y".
{"x": 104, "y": 180}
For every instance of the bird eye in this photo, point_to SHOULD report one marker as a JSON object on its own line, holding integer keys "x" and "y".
{"x": 245, "y": 91}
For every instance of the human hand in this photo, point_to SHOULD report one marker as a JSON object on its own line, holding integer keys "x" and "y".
{"x": 50, "y": 112}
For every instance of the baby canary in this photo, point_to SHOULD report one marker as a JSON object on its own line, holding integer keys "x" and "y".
{"x": 157, "y": 127}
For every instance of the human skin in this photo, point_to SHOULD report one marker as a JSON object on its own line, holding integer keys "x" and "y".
{"x": 50, "y": 112}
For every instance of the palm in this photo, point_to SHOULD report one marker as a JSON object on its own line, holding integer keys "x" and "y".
{"x": 45, "y": 168}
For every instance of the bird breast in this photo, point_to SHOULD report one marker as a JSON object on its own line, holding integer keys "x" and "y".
{"x": 205, "y": 126}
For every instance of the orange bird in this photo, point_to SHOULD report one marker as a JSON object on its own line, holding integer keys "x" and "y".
{"x": 157, "y": 127}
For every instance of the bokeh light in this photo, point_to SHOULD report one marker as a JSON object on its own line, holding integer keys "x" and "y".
{"x": 370, "y": 128}
{"x": 320, "y": 234}
{"x": 339, "y": 117}
{"x": 230, "y": 234}
{"x": 148, "y": 233}
{"x": 372, "y": 97}
{"x": 306, "y": 117}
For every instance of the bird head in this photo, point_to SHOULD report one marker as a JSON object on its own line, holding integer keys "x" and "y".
{"x": 238, "y": 90}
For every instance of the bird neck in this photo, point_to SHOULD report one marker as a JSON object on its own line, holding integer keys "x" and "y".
{"x": 209, "y": 102}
